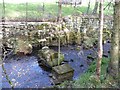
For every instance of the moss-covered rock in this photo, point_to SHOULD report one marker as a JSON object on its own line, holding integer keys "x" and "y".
{"x": 72, "y": 37}
{"x": 91, "y": 38}
{"x": 23, "y": 46}
{"x": 78, "y": 48}
{"x": 42, "y": 26}
{"x": 89, "y": 42}
{"x": 50, "y": 57}
{"x": 78, "y": 41}
{"x": 62, "y": 72}
{"x": 106, "y": 35}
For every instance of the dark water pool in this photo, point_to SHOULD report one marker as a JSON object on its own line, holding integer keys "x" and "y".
{"x": 25, "y": 71}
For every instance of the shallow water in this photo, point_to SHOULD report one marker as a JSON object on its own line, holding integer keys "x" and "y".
{"x": 25, "y": 71}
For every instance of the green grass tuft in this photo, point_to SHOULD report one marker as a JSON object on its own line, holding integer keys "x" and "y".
{"x": 89, "y": 79}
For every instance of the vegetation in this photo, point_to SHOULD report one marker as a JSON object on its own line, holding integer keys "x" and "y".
{"x": 35, "y": 10}
{"x": 88, "y": 79}
{"x": 100, "y": 39}
{"x": 102, "y": 72}
{"x": 114, "y": 61}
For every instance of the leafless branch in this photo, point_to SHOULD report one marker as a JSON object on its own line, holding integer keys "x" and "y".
{"x": 5, "y": 54}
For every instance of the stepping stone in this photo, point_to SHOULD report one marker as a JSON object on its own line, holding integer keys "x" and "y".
{"x": 62, "y": 73}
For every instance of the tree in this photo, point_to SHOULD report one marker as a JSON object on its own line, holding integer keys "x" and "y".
{"x": 59, "y": 22}
{"x": 4, "y": 52}
{"x": 100, "y": 47}
{"x": 114, "y": 60}
{"x": 3, "y": 20}
{"x": 26, "y": 20}
{"x": 88, "y": 7}
{"x": 109, "y": 5}
{"x": 4, "y": 70}
{"x": 95, "y": 7}
{"x": 43, "y": 8}
{"x": 59, "y": 10}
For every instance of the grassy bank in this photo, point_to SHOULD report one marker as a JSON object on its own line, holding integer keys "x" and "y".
{"x": 35, "y": 10}
{"x": 88, "y": 79}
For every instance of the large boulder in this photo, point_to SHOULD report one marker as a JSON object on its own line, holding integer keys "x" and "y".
{"x": 90, "y": 38}
{"x": 72, "y": 37}
{"x": 23, "y": 46}
{"x": 49, "y": 57}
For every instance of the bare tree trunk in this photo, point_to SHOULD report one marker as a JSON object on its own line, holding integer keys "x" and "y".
{"x": 108, "y": 5}
{"x": 75, "y": 5}
{"x": 100, "y": 46}
{"x": 3, "y": 21}
{"x": 4, "y": 70}
{"x": 26, "y": 14}
{"x": 26, "y": 19}
{"x": 113, "y": 65}
{"x": 59, "y": 10}
{"x": 59, "y": 22}
{"x": 88, "y": 7}
{"x": 43, "y": 8}
{"x": 95, "y": 7}
{"x": 3, "y": 42}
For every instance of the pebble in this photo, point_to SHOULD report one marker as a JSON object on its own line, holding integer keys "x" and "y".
{"x": 71, "y": 60}
{"x": 81, "y": 65}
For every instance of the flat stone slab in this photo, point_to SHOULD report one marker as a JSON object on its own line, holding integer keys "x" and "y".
{"x": 63, "y": 69}
{"x": 61, "y": 73}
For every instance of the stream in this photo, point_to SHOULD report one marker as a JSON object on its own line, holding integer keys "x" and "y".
{"x": 25, "y": 71}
